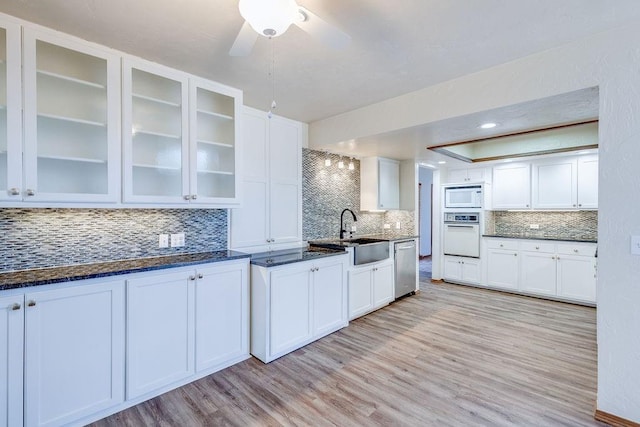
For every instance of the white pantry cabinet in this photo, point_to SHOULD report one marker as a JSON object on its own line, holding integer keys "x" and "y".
{"x": 10, "y": 111}
{"x": 11, "y": 360}
{"x": 74, "y": 352}
{"x": 295, "y": 304}
{"x": 370, "y": 287}
{"x": 462, "y": 269}
{"x": 379, "y": 184}
{"x": 271, "y": 214}
{"x": 71, "y": 147}
{"x": 512, "y": 186}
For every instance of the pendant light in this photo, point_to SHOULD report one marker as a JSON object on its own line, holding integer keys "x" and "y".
{"x": 327, "y": 160}
{"x": 340, "y": 163}
{"x": 351, "y": 165}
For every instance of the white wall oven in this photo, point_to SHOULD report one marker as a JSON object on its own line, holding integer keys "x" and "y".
{"x": 462, "y": 234}
{"x": 463, "y": 196}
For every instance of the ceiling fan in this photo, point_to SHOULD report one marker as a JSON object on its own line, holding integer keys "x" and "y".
{"x": 271, "y": 18}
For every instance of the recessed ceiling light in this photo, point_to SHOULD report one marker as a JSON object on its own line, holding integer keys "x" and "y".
{"x": 488, "y": 125}
{"x": 441, "y": 162}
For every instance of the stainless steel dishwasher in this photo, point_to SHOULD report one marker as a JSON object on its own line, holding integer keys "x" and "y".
{"x": 406, "y": 265}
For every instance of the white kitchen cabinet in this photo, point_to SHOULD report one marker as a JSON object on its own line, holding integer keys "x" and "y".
{"x": 221, "y": 315}
{"x": 71, "y": 148}
{"x": 379, "y": 184}
{"x": 462, "y": 269}
{"x": 74, "y": 352}
{"x": 577, "y": 271}
{"x": 538, "y": 268}
{"x": 295, "y": 304}
{"x": 10, "y": 111}
{"x": 512, "y": 186}
{"x": 271, "y": 214}
{"x": 160, "y": 330}
{"x": 588, "y": 182}
{"x": 466, "y": 175}
{"x": 370, "y": 287}
{"x": 503, "y": 265}
{"x": 554, "y": 183}
{"x": 11, "y": 360}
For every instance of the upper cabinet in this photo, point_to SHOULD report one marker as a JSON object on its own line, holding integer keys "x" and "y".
{"x": 379, "y": 184}
{"x": 466, "y": 175}
{"x": 588, "y": 182}
{"x": 512, "y": 186}
{"x": 554, "y": 183}
{"x": 71, "y": 119}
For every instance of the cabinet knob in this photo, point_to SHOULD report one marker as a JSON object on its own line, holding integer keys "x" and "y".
{"x": 575, "y": 250}
{"x": 200, "y": 276}
{"x": 537, "y": 247}
{"x": 192, "y": 277}
{"x": 31, "y": 303}
{"x": 461, "y": 262}
{"x": 579, "y": 204}
{"x": 501, "y": 245}
{"x": 194, "y": 196}
{"x": 557, "y": 257}
{"x": 515, "y": 254}
{"x": 186, "y": 197}
{"x": 14, "y": 192}
{"x": 553, "y": 257}
{"x": 30, "y": 192}
{"x": 15, "y": 307}
{"x": 574, "y": 205}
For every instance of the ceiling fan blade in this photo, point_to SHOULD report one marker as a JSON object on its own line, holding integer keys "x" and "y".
{"x": 244, "y": 42}
{"x": 322, "y": 30}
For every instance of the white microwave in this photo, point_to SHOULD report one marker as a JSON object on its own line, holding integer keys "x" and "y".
{"x": 463, "y": 196}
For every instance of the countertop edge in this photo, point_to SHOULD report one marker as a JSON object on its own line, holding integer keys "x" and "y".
{"x": 555, "y": 239}
{"x": 320, "y": 254}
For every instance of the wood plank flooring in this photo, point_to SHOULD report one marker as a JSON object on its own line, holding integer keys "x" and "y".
{"x": 449, "y": 356}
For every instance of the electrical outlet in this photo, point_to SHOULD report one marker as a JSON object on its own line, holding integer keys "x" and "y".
{"x": 177, "y": 240}
{"x": 163, "y": 240}
{"x": 534, "y": 226}
{"x": 353, "y": 228}
{"x": 387, "y": 226}
{"x": 398, "y": 225}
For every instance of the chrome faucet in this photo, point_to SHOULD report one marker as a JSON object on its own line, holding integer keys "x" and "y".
{"x": 342, "y": 229}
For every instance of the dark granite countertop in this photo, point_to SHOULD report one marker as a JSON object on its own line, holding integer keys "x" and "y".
{"x": 46, "y": 276}
{"x": 289, "y": 256}
{"x": 345, "y": 243}
{"x": 534, "y": 237}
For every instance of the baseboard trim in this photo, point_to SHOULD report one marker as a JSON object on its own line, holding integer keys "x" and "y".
{"x": 437, "y": 281}
{"x": 614, "y": 420}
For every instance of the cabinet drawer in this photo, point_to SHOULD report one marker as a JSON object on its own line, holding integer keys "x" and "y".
{"x": 502, "y": 244}
{"x": 538, "y": 246}
{"x": 584, "y": 249}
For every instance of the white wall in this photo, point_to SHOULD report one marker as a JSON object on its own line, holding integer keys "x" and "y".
{"x": 426, "y": 179}
{"x": 610, "y": 60}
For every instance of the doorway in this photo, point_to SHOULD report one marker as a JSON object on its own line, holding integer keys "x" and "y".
{"x": 425, "y": 218}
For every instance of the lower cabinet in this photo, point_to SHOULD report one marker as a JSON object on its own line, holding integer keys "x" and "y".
{"x": 295, "y": 304}
{"x": 577, "y": 277}
{"x": 11, "y": 360}
{"x": 538, "y": 268}
{"x": 370, "y": 287}
{"x": 502, "y": 264}
{"x": 74, "y": 352}
{"x": 462, "y": 269}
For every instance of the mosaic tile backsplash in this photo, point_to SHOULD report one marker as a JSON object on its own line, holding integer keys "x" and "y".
{"x": 327, "y": 190}
{"x": 561, "y": 225}
{"x": 36, "y": 238}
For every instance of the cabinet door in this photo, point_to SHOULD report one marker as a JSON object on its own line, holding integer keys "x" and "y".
{"x": 388, "y": 184}
{"x": 457, "y": 175}
{"x": 588, "y": 182}
{"x": 285, "y": 156}
{"x": 154, "y": 134}
{"x": 11, "y": 360}
{"x": 554, "y": 184}
{"x": 475, "y": 175}
{"x": 221, "y": 325}
{"x": 511, "y": 186}
{"x": 159, "y": 330}
{"x": 502, "y": 268}
{"x": 382, "y": 285}
{"x": 74, "y": 352}
{"x": 329, "y": 299}
{"x": 360, "y": 292}
{"x": 577, "y": 277}
{"x": 452, "y": 268}
{"x": 471, "y": 270}
{"x": 538, "y": 273}
{"x": 290, "y": 309}
{"x": 10, "y": 112}
{"x": 214, "y": 166}
{"x": 71, "y": 148}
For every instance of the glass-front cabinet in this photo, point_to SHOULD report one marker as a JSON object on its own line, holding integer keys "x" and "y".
{"x": 10, "y": 112}
{"x": 71, "y": 123}
{"x": 213, "y": 147}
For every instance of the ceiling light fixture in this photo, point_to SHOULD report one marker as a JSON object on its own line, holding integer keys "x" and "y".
{"x": 327, "y": 160}
{"x": 488, "y": 125}
{"x": 351, "y": 165}
{"x": 269, "y": 18}
{"x": 340, "y": 164}
{"x": 441, "y": 162}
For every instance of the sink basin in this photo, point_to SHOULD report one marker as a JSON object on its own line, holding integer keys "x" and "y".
{"x": 371, "y": 251}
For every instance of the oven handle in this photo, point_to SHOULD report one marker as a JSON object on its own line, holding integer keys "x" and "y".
{"x": 460, "y": 226}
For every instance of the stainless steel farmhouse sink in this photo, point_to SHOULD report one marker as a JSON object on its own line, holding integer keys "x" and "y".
{"x": 365, "y": 250}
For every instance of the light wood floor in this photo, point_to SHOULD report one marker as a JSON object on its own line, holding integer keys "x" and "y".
{"x": 449, "y": 356}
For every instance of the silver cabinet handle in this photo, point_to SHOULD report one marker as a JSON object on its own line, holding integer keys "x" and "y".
{"x": 30, "y": 192}
{"x": 200, "y": 276}
{"x": 31, "y": 303}
{"x": 16, "y": 306}
{"x": 14, "y": 191}
{"x": 194, "y": 196}
{"x": 192, "y": 277}
{"x": 186, "y": 197}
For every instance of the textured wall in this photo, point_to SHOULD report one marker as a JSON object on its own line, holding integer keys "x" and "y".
{"x": 326, "y": 191}
{"x": 34, "y": 238}
{"x": 570, "y": 225}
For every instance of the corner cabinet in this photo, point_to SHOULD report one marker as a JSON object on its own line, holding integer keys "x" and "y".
{"x": 71, "y": 147}
{"x": 379, "y": 184}
{"x": 179, "y": 137}
{"x": 271, "y": 214}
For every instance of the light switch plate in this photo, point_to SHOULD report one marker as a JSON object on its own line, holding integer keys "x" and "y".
{"x": 534, "y": 226}
{"x": 163, "y": 240}
{"x": 387, "y": 226}
{"x": 635, "y": 245}
{"x": 177, "y": 240}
